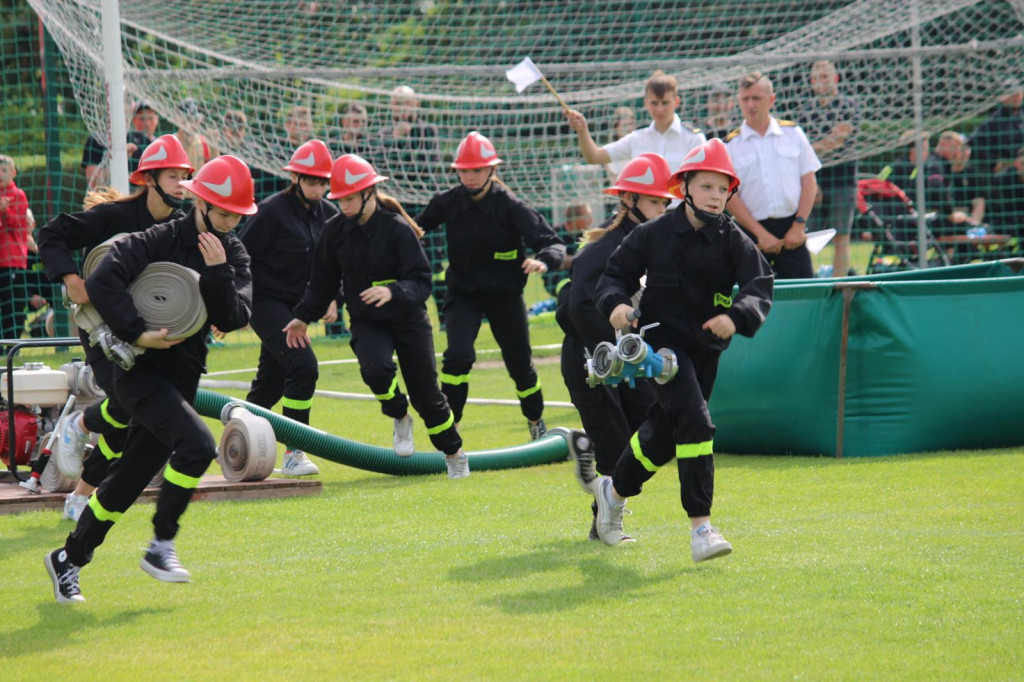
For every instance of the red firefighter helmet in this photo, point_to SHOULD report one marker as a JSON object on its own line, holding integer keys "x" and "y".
{"x": 475, "y": 151}
{"x": 311, "y": 158}
{"x": 164, "y": 152}
{"x": 226, "y": 183}
{"x": 352, "y": 173}
{"x": 647, "y": 174}
{"x": 710, "y": 156}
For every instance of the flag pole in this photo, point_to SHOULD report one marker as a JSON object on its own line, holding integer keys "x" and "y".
{"x": 551, "y": 89}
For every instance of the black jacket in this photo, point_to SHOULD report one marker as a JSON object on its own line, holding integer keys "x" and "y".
{"x": 59, "y": 238}
{"x": 226, "y": 289}
{"x": 383, "y": 252}
{"x": 280, "y": 240}
{"x": 487, "y": 239}
{"x": 590, "y": 325}
{"x": 690, "y": 279}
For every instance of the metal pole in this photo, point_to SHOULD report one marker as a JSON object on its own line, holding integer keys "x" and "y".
{"x": 922, "y": 207}
{"x": 114, "y": 71}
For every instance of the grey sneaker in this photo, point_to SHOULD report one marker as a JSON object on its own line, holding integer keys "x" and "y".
{"x": 609, "y": 513}
{"x": 584, "y": 464}
{"x": 593, "y": 536}
{"x": 404, "y": 446}
{"x": 161, "y": 562}
{"x": 707, "y": 543}
{"x": 538, "y": 430}
{"x": 64, "y": 576}
{"x": 69, "y": 448}
{"x": 458, "y": 465}
{"x": 295, "y": 463}
{"x": 74, "y": 505}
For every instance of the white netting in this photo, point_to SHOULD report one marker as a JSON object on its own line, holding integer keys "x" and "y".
{"x": 265, "y": 57}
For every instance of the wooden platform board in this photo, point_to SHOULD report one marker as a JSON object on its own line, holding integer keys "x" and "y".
{"x": 15, "y": 499}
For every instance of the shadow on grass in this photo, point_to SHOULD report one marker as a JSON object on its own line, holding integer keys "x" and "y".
{"x": 36, "y": 539}
{"x": 62, "y": 624}
{"x": 602, "y": 578}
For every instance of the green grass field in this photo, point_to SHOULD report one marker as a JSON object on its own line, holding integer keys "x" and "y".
{"x": 895, "y": 568}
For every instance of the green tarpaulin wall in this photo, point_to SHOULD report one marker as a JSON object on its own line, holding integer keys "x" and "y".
{"x": 897, "y": 363}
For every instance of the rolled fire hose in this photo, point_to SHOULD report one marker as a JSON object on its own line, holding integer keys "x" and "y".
{"x": 93, "y": 258}
{"x": 53, "y": 480}
{"x": 248, "y": 448}
{"x": 166, "y": 295}
{"x": 551, "y": 448}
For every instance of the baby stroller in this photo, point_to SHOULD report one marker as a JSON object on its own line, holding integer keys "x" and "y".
{"x": 888, "y": 214}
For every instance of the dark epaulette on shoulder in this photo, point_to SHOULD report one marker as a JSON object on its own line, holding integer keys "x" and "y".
{"x": 732, "y": 135}
{"x": 786, "y": 124}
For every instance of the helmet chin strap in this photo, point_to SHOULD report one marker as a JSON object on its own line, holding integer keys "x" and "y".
{"x": 634, "y": 210}
{"x": 172, "y": 202}
{"x": 483, "y": 188}
{"x": 209, "y": 225}
{"x": 706, "y": 217}
{"x": 364, "y": 196}
{"x": 300, "y": 194}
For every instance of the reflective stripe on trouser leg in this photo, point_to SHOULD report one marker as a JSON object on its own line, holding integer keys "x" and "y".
{"x": 105, "y": 449}
{"x": 107, "y": 417}
{"x": 297, "y": 409}
{"x": 650, "y": 448}
{"x": 456, "y": 390}
{"x": 175, "y": 494}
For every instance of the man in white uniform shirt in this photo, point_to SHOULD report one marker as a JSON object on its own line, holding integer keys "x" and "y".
{"x": 776, "y": 165}
{"x": 666, "y": 135}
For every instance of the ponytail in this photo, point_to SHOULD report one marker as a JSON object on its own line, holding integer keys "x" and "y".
{"x": 392, "y": 204}
{"x": 595, "y": 233}
{"x": 106, "y": 195}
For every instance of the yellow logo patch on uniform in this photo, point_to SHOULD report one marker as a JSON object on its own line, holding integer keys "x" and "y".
{"x": 723, "y": 301}
{"x": 383, "y": 282}
{"x": 506, "y": 255}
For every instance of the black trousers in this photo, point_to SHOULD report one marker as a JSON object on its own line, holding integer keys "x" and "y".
{"x": 283, "y": 372}
{"x": 788, "y": 264}
{"x": 164, "y": 426}
{"x": 610, "y": 414}
{"x": 511, "y": 328}
{"x": 108, "y": 418}
{"x": 678, "y": 425}
{"x": 411, "y": 338}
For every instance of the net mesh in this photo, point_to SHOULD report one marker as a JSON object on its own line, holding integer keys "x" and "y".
{"x": 256, "y": 78}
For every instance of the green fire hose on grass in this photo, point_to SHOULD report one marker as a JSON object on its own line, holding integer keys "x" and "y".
{"x": 551, "y": 448}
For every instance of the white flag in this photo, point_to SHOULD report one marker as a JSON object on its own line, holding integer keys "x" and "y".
{"x": 816, "y": 241}
{"x": 524, "y": 74}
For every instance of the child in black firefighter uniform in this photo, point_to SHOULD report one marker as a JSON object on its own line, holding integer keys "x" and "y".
{"x": 160, "y": 388}
{"x": 610, "y": 414}
{"x": 280, "y": 242}
{"x": 164, "y": 164}
{"x": 488, "y": 231}
{"x": 693, "y": 257}
{"x": 373, "y": 251}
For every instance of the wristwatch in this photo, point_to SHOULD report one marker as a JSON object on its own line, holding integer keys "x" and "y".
{"x": 800, "y": 219}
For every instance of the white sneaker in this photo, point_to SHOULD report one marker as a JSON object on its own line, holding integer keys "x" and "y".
{"x": 707, "y": 543}
{"x": 295, "y": 463}
{"x": 458, "y": 465}
{"x": 69, "y": 448}
{"x": 74, "y": 505}
{"x": 404, "y": 447}
{"x": 161, "y": 562}
{"x": 609, "y": 513}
